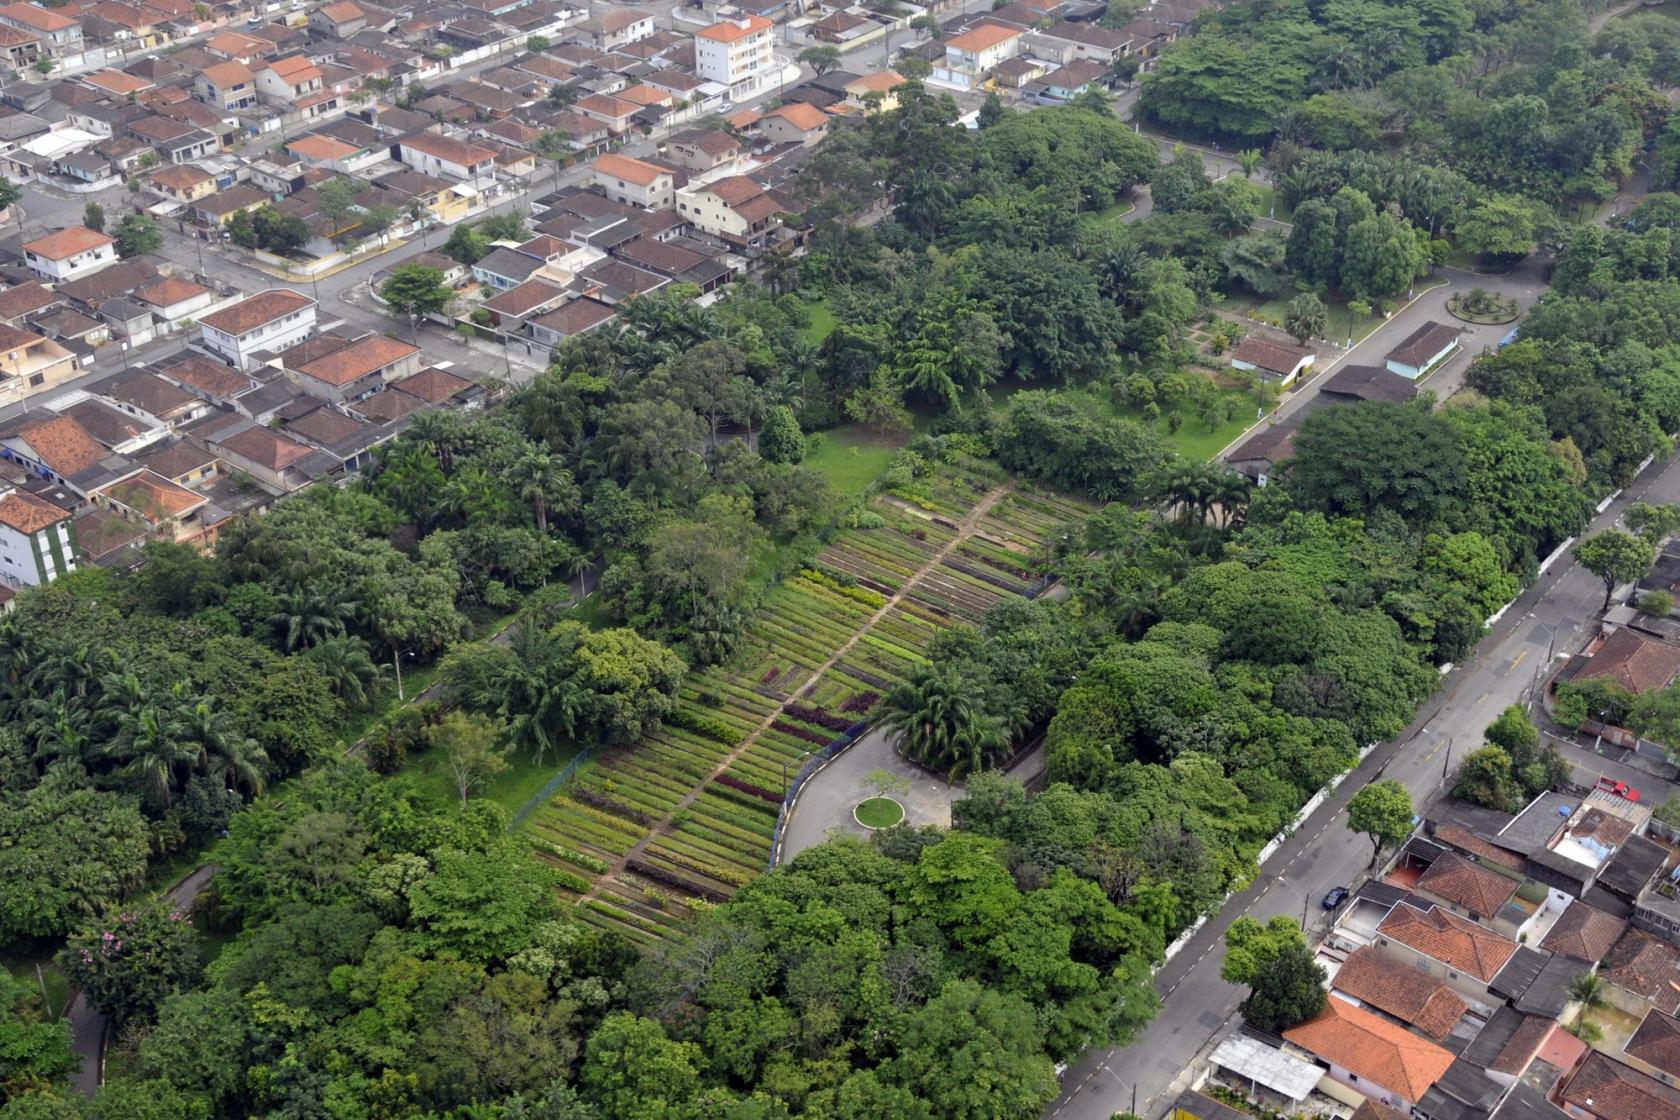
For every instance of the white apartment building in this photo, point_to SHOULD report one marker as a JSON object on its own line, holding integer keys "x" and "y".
{"x": 35, "y": 542}
{"x": 69, "y": 253}
{"x": 736, "y": 53}
{"x": 270, "y": 321}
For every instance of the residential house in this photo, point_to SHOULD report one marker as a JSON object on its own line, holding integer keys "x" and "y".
{"x": 36, "y": 542}
{"x": 83, "y": 167}
{"x": 1585, "y": 933}
{"x": 1072, "y": 42}
{"x": 288, "y": 80}
{"x": 1601, "y": 1088}
{"x": 175, "y": 299}
{"x": 1468, "y": 889}
{"x": 448, "y": 158}
{"x": 182, "y": 182}
{"x": 200, "y": 375}
{"x": 518, "y": 303}
{"x": 617, "y": 27}
{"x": 503, "y": 268}
{"x": 30, "y": 364}
{"x": 260, "y": 324}
{"x": 1275, "y": 361}
{"x": 1423, "y": 350}
{"x": 973, "y": 55}
{"x": 1379, "y": 982}
{"x": 435, "y": 386}
{"x": 1626, "y": 658}
{"x": 1654, "y": 1048}
{"x": 571, "y": 319}
{"x": 616, "y": 113}
{"x": 737, "y": 54}
{"x": 19, "y": 48}
{"x": 219, "y": 209}
{"x": 1454, "y": 949}
{"x": 25, "y": 299}
{"x": 355, "y": 369}
{"x": 175, "y": 141}
{"x": 435, "y": 195}
{"x": 227, "y": 86}
{"x": 238, "y": 46}
{"x": 68, "y": 253}
{"x": 634, "y": 182}
{"x": 1368, "y": 1057}
{"x": 341, "y": 20}
{"x": 156, "y": 401}
{"x": 1073, "y": 79}
{"x": 794, "y": 123}
{"x": 702, "y": 149}
{"x": 53, "y": 447}
{"x": 279, "y": 462}
{"x": 876, "y": 92}
{"x": 735, "y": 210}
{"x": 338, "y": 154}
{"x": 1642, "y": 973}
{"x": 59, "y": 35}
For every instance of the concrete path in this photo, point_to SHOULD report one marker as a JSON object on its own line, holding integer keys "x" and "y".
{"x": 88, "y": 1027}
{"x": 824, "y": 808}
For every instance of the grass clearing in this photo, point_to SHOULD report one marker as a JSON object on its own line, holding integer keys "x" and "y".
{"x": 510, "y": 789}
{"x": 879, "y": 812}
{"x": 33, "y": 973}
{"x": 822, "y": 322}
{"x": 850, "y": 458}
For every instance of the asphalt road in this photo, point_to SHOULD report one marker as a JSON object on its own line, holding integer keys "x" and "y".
{"x": 1551, "y": 615}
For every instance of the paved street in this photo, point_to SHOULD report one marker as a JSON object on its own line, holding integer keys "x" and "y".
{"x": 1556, "y": 610}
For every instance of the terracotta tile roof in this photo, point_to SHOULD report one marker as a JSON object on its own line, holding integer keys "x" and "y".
{"x": 728, "y": 31}
{"x": 342, "y": 12}
{"x": 321, "y": 148}
{"x": 153, "y": 496}
{"x": 177, "y": 460}
{"x": 1463, "y": 883}
{"x": 23, "y": 299}
{"x": 325, "y": 426}
{"x": 63, "y": 445}
{"x": 365, "y": 356}
{"x": 645, "y": 95}
{"x": 295, "y": 70}
{"x": 630, "y": 170}
{"x": 1635, "y": 663}
{"x": 38, "y": 18}
{"x": 227, "y": 75}
{"x": 1454, "y": 941}
{"x": 1646, "y": 966}
{"x": 576, "y": 317}
{"x": 1457, "y": 836}
{"x": 1657, "y": 1042}
{"x": 1423, "y": 344}
{"x": 254, "y": 311}
{"x": 266, "y": 448}
{"x": 983, "y": 37}
{"x": 1601, "y": 1086}
{"x": 447, "y": 149}
{"x": 524, "y": 297}
{"x": 433, "y": 385}
{"x": 745, "y": 118}
{"x": 606, "y": 105}
{"x": 713, "y": 142}
{"x": 800, "y": 115}
{"x": 26, "y": 513}
{"x": 1384, "y": 983}
{"x": 1372, "y": 1047}
{"x": 387, "y": 404}
{"x": 1273, "y": 357}
{"x": 66, "y": 243}
{"x": 180, "y": 176}
{"x": 212, "y": 378}
{"x": 881, "y": 82}
{"x": 169, "y": 291}
{"x": 1584, "y": 932}
{"x": 1375, "y": 1110}
{"x": 117, "y": 82}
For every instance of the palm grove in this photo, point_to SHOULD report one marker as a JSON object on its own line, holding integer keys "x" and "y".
{"x": 1220, "y": 655}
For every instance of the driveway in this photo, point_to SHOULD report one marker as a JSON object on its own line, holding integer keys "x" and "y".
{"x": 88, "y": 1027}
{"x": 824, "y": 807}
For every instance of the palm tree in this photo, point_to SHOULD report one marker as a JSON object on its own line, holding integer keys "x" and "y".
{"x": 542, "y": 482}
{"x": 941, "y": 725}
{"x": 149, "y": 750}
{"x": 438, "y": 431}
{"x": 1587, "y": 989}
{"x": 226, "y": 757}
{"x": 308, "y": 618}
{"x": 577, "y": 567}
{"x": 349, "y": 669}
{"x": 1249, "y": 160}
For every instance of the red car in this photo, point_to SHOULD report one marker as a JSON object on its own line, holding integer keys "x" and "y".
{"x": 1620, "y": 789}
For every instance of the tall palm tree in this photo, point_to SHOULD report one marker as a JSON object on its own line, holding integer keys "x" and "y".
{"x": 577, "y": 567}
{"x": 941, "y": 724}
{"x": 308, "y": 618}
{"x": 149, "y": 749}
{"x": 438, "y": 431}
{"x": 348, "y": 667}
{"x": 543, "y": 482}
{"x": 230, "y": 759}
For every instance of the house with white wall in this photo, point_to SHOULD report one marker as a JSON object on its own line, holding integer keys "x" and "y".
{"x": 36, "y": 543}
{"x": 69, "y": 253}
{"x": 269, "y": 321}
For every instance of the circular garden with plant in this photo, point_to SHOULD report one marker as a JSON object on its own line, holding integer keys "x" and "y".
{"x": 1479, "y": 305}
{"x": 878, "y": 812}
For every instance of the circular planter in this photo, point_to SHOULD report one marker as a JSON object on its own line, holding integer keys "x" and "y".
{"x": 877, "y": 813}
{"x": 1487, "y": 319}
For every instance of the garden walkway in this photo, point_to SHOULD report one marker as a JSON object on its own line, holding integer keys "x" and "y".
{"x": 965, "y": 529}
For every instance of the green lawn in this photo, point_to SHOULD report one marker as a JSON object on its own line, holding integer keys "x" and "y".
{"x": 1194, "y": 439}
{"x": 1114, "y": 213}
{"x": 822, "y": 322}
{"x": 850, "y": 458}
{"x": 58, "y": 988}
{"x": 509, "y": 789}
{"x": 1270, "y": 197}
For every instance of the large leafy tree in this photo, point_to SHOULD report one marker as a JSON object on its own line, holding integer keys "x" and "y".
{"x": 47, "y": 885}
{"x": 1383, "y": 811}
{"x": 415, "y": 289}
{"x": 129, "y": 961}
{"x": 1615, "y": 557}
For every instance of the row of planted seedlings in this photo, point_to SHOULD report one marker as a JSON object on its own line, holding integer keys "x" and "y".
{"x": 884, "y": 559}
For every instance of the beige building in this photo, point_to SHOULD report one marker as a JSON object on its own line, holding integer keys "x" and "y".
{"x": 634, "y": 182}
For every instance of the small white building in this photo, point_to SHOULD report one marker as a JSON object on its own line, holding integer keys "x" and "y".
{"x": 36, "y": 546}
{"x": 1275, "y": 361}
{"x": 269, "y": 321}
{"x": 736, "y": 53}
{"x": 634, "y": 182}
{"x": 1423, "y": 350}
{"x": 287, "y": 80}
{"x": 971, "y": 56}
{"x": 448, "y": 158}
{"x": 70, "y": 253}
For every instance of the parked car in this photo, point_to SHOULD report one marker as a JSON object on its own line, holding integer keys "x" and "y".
{"x": 1620, "y": 789}
{"x": 1334, "y": 897}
